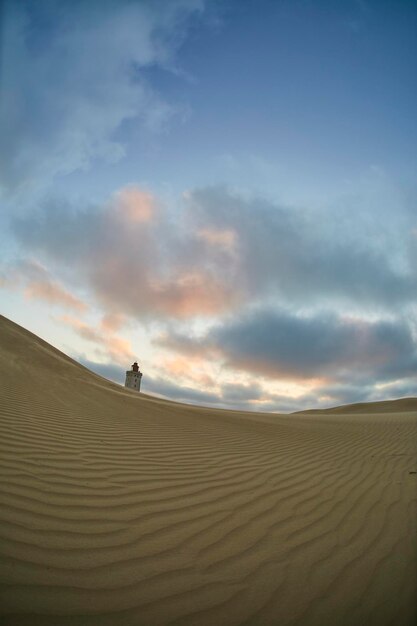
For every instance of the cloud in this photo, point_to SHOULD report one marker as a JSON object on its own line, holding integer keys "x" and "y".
{"x": 71, "y": 74}
{"x": 194, "y": 370}
{"x": 107, "y": 370}
{"x": 230, "y": 396}
{"x": 256, "y": 397}
{"x": 222, "y": 239}
{"x": 185, "y": 344}
{"x": 136, "y": 260}
{"x": 344, "y": 253}
{"x": 54, "y": 294}
{"x": 112, "y": 322}
{"x": 39, "y": 285}
{"x": 108, "y": 346}
{"x": 339, "y": 394}
{"x": 360, "y": 391}
{"x": 283, "y": 293}
{"x": 232, "y": 393}
{"x": 281, "y": 345}
{"x": 154, "y": 385}
{"x": 181, "y": 393}
{"x": 223, "y": 253}
{"x": 134, "y": 205}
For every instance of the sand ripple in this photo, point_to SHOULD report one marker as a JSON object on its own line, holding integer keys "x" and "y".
{"x": 125, "y": 509}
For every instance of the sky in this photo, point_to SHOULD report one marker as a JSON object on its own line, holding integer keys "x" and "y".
{"x": 223, "y": 190}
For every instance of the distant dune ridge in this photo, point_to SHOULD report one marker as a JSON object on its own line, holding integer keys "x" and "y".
{"x": 123, "y": 509}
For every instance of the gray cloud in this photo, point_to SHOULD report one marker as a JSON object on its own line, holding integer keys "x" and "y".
{"x": 399, "y": 389}
{"x": 226, "y": 253}
{"x": 242, "y": 397}
{"x": 354, "y": 252}
{"x": 299, "y": 289}
{"x": 338, "y": 394}
{"x": 352, "y": 354}
{"x": 181, "y": 393}
{"x": 68, "y": 84}
{"x": 285, "y": 344}
{"x": 235, "y": 392}
{"x": 107, "y": 370}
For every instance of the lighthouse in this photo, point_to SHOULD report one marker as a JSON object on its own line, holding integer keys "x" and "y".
{"x": 133, "y": 377}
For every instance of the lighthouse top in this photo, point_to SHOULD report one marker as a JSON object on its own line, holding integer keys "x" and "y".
{"x": 135, "y": 367}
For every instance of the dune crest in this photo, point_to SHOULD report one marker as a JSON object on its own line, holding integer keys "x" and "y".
{"x": 124, "y": 509}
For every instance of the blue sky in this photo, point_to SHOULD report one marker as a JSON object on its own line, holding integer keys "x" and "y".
{"x": 225, "y": 191}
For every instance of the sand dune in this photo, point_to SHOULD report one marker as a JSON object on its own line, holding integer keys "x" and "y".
{"x": 386, "y": 406}
{"x": 123, "y": 509}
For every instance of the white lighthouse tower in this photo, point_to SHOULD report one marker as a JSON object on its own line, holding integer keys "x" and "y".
{"x": 133, "y": 377}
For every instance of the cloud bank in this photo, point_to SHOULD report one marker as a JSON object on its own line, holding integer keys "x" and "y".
{"x": 225, "y": 252}
{"x": 137, "y": 261}
{"x": 283, "y": 293}
{"x": 280, "y": 344}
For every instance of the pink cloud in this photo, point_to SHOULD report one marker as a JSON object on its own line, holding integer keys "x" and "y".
{"x": 112, "y": 322}
{"x": 196, "y": 370}
{"x": 51, "y": 292}
{"x": 191, "y": 294}
{"x": 138, "y": 263}
{"x": 39, "y": 285}
{"x": 111, "y": 347}
{"x": 134, "y": 204}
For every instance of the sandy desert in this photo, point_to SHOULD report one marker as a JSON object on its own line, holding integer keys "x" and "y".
{"x": 119, "y": 508}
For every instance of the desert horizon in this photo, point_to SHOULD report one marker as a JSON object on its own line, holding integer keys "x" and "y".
{"x": 122, "y": 508}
